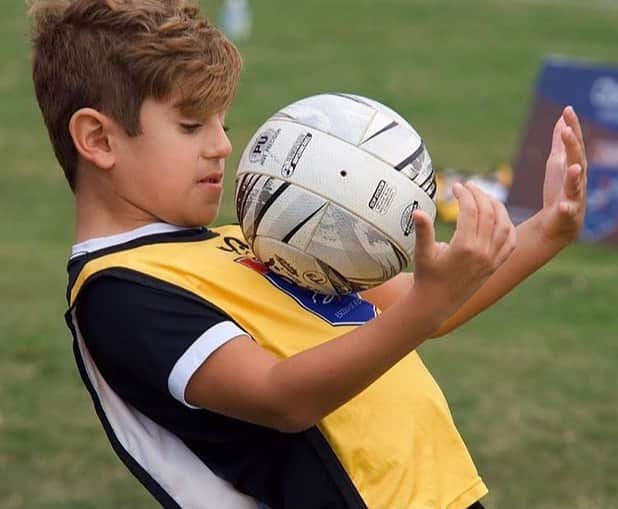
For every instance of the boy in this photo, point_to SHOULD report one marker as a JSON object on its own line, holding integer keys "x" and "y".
{"x": 214, "y": 387}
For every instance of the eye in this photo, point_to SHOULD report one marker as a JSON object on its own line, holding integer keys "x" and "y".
{"x": 226, "y": 129}
{"x": 190, "y": 127}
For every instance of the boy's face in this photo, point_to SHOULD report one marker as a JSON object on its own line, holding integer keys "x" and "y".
{"x": 173, "y": 170}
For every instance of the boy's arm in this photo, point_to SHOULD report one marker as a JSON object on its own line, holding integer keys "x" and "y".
{"x": 244, "y": 381}
{"x": 539, "y": 238}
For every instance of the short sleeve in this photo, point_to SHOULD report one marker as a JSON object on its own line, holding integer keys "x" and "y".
{"x": 148, "y": 340}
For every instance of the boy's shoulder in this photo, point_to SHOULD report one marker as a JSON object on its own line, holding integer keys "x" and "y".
{"x": 112, "y": 254}
{"x": 103, "y": 244}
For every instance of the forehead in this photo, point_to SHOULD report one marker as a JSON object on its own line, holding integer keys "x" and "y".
{"x": 175, "y": 108}
{"x": 201, "y": 97}
{"x": 165, "y": 107}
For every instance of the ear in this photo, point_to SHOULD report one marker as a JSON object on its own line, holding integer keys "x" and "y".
{"x": 91, "y": 130}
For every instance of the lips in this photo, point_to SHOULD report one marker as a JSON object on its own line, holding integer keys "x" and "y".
{"x": 215, "y": 178}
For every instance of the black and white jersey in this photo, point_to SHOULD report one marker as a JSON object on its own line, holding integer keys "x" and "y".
{"x": 147, "y": 308}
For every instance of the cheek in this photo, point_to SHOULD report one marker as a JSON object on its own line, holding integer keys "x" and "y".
{"x": 175, "y": 154}
{"x": 170, "y": 162}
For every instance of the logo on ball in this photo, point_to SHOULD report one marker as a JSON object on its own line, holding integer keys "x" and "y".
{"x": 295, "y": 154}
{"x": 382, "y": 197}
{"x": 262, "y": 145}
{"x": 280, "y": 265}
{"x": 407, "y": 221}
{"x": 315, "y": 277}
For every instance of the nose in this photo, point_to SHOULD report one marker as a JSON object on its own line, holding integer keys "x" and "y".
{"x": 216, "y": 143}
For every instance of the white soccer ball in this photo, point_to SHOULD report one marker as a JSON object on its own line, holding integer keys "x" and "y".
{"x": 325, "y": 192}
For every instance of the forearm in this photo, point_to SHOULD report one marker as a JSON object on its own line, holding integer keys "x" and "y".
{"x": 247, "y": 382}
{"x": 532, "y": 251}
{"x": 317, "y": 381}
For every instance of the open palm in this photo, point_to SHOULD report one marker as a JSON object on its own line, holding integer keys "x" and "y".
{"x": 564, "y": 189}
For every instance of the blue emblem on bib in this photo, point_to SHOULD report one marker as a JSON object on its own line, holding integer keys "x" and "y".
{"x": 335, "y": 309}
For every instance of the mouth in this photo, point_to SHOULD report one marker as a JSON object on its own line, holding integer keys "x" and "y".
{"x": 216, "y": 178}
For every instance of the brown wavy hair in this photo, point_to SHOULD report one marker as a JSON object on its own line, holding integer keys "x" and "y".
{"x": 110, "y": 55}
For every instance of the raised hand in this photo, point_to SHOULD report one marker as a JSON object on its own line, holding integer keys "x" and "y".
{"x": 483, "y": 239}
{"x": 564, "y": 189}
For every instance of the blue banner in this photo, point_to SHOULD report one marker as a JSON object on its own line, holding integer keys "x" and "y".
{"x": 592, "y": 89}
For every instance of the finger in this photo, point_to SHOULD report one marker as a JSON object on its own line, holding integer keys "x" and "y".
{"x": 568, "y": 210}
{"x": 503, "y": 225}
{"x": 556, "y": 140}
{"x": 507, "y": 247}
{"x": 468, "y": 213}
{"x": 575, "y": 182}
{"x": 570, "y": 217}
{"x": 574, "y": 150}
{"x": 487, "y": 218}
{"x": 572, "y": 120}
{"x": 425, "y": 236}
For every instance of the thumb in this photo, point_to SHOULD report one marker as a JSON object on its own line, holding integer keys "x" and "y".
{"x": 425, "y": 235}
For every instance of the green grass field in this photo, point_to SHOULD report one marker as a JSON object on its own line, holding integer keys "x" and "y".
{"x": 532, "y": 382}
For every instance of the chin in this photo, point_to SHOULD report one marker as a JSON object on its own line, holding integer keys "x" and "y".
{"x": 194, "y": 221}
{"x": 201, "y": 220}
{"x": 196, "y": 217}
{"x": 198, "y": 223}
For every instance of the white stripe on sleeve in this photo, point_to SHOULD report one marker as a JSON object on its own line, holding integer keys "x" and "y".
{"x": 196, "y": 354}
{"x": 158, "y": 457}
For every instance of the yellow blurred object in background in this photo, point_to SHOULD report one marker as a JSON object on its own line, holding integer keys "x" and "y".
{"x": 448, "y": 208}
{"x": 496, "y": 184}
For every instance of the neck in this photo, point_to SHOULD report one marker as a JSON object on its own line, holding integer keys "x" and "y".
{"x": 100, "y": 212}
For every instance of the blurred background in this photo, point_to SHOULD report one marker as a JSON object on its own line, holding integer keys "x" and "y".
{"x": 531, "y": 382}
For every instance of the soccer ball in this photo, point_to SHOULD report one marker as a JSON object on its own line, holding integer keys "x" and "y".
{"x": 325, "y": 192}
